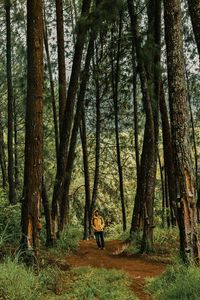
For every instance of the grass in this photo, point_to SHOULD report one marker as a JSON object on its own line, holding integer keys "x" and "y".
{"x": 94, "y": 283}
{"x": 17, "y": 282}
{"x": 68, "y": 241}
{"x": 177, "y": 282}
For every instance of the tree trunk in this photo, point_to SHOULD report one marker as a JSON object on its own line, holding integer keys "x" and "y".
{"x": 12, "y": 195}
{"x": 16, "y": 145}
{"x": 115, "y": 83}
{"x": 33, "y": 170}
{"x": 98, "y": 132}
{"x": 53, "y": 98}
{"x": 2, "y": 156}
{"x": 61, "y": 61}
{"x": 65, "y": 133}
{"x": 168, "y": 157}
{"x": 86, "y": 176}
{"x": 194, "y": 10}
{"x": 47, "y": 213}
{"x": 135, "y": 107}
{"x": 197, "y": 183}
{"x": 162, "y": 179}
{"x": 80, "y": 105}
{"x": 144, "y": 199}
{"x": 189, "y": 245}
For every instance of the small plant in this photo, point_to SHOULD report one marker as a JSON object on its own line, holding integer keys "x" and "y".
{"x": 69, "y": 239}
{"x": 166, "y": 240}
{"x": 178, "y": 282}
{"x": 10, "y": 220}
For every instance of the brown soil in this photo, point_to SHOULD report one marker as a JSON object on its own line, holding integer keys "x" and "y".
{"x": 138, "y": 267}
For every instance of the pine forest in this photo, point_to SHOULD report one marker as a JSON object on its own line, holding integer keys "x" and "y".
{"x": 99, "y": 149}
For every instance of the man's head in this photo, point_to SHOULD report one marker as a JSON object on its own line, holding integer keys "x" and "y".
{"x": 96, "y": 212}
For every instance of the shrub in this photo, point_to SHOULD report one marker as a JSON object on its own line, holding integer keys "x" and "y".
{"x": 10, "y": 220}
{"x": 177, "y": 282}
{"x": 69, "y": 239}
{"x": 115, "y": 231}
{"x": 166, "y": 240}
{"x": 17, "y": 282}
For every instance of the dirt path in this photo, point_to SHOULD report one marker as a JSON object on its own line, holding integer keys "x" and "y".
{"x": 137, "y": 267}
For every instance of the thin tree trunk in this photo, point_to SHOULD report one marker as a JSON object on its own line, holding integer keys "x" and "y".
{"x": 53, "y": 98}
{"x": 189, "y": 244}
{"x": 47, "y": 213}
{"x": 86, "y": 176}
{"x": 33, "y": 169}
{"x": 168, "y": 205}
{"x": 194, "y": 10}
{"x": 16, "y": 146}
{"x": 98, "y": 132}
{"x": 115, "y": 83}
{"x": 72, "y": 148}
{"x": 163, "y": 192}
{"x": 168, "y": 157}
{"x": 61, "y": 62}
{"x": 12, "y": 195}
{"x": 197, "y": 184}
{"x": 2, "y": 156}
{"x": 135, "y": 107}
{"x": 65, "y": 133}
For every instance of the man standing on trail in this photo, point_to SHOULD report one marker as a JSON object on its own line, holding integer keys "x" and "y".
{"x": 98, "y": 226}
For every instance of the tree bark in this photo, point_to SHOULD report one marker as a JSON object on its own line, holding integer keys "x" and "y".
{"x": 12, "y": 195}
{"x": 86, "y": 175}
{"x": 115, "y": 84}
{"x": 98, "y": 133}
{"x": 33, "y": 170}
{"x": 2, "y": 156}
{"x": 16, "y": 145}
{"x": 194, "y": 10}
{"x": 61, "y": 61}
{"x": 168, "y": 157}
{"x": 65, "y": 133}
{"x": 72, "y": 148}
{"x": 144, "y": 199}
{"x": 189, "y": 244}
{"x": 47, "y": 213}
{"x": 53, "y": 98}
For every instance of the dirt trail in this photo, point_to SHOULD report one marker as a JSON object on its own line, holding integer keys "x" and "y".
{"x": 137, "y": 267}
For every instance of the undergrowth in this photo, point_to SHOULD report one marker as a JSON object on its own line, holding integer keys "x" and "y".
{"x": 17, "y": 282}
{"x": 68, "y": 240}
{"x": 94, "y": 283}
{"x": 177, "y": 282}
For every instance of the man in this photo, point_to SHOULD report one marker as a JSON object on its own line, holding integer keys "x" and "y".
{"x": 98, "y": 226}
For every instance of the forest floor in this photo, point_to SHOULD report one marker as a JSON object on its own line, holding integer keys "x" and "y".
{"x": 138, "y": 267}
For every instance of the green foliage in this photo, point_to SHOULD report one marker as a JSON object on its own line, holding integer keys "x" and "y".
{"x": 69, "y": 239}
{"x": 114, "y": 231}
{"x": 91, "y": 283}
{"x": 178, "y": 282}
{"x": 166, "y": 240}
{"x": 10, "y": 217}
{"x": 17, "y": 282}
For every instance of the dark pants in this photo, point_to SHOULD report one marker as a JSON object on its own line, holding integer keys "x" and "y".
{"x": 99, "y": 239}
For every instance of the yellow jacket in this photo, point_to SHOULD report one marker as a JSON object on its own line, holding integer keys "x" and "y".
{"x": 98, "y": 223}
